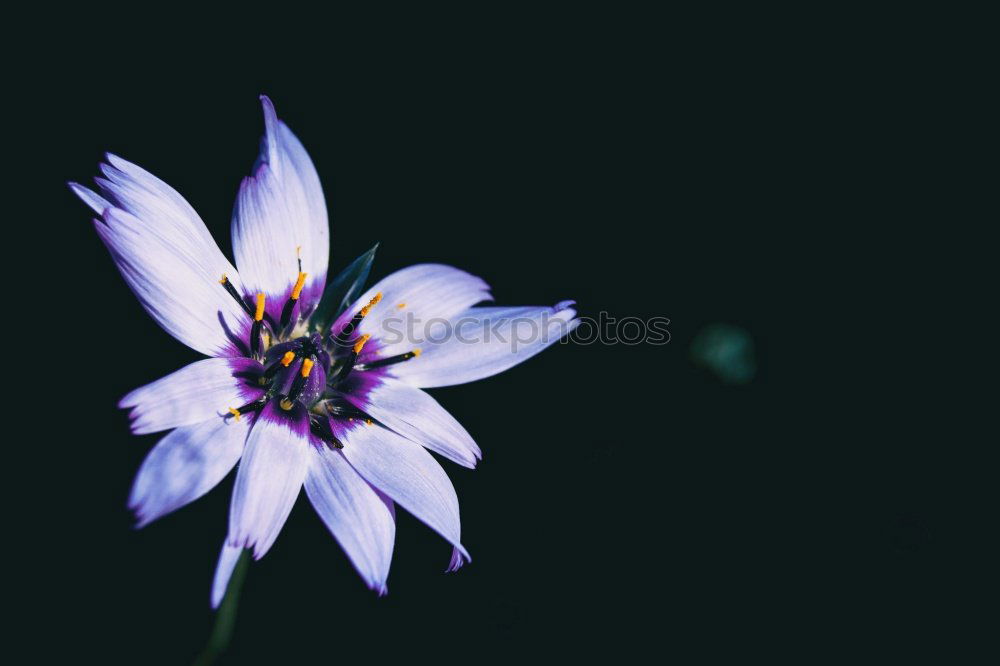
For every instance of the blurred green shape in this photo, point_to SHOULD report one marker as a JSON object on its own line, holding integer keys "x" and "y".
{"x": 727, "y": 351}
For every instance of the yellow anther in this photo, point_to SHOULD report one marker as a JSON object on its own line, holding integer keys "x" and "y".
{"x": 224, "y": 279}
{"x": 360, "y": 344}
{"x": 297, "y": 289}
{"x": 235, "y": 412}
{"x": 259, "y": 314}
{"x": 287, "y": 359}
{"x": 401, "y": 306}
{"x": 368, "y": 421}
{"x": 416, "y": 352}
{"x": 307, "y": 366}
{"x": 372, "y": 303}
{"x": 286, "y": 404}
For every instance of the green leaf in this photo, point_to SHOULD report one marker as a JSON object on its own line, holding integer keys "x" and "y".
{"x": 343, "y": 290}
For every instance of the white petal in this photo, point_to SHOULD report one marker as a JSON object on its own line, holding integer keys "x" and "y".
{"x": 223, "y": 572}
{"x": 269, "y": 479}
{"x": 177, "y": 285}
{"x": 408, "y": 474}
{"x": 96, "y": 202}
{"x": 418, "y": 417}
{"x": 280, "y": 216}
{"x": 482, "y": 342}
{"x": 142, "y": 194}
{"x": 361, "y": 519}
{"x": 185, "y": 465}
{"x": 316, "y": 259}
{"x": 195, "y": 393}
{"x": 166, "y": 255}
{"x": 413, "y": 299}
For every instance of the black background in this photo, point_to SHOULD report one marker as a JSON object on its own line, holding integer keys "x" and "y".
{"x": 627, "y": 501}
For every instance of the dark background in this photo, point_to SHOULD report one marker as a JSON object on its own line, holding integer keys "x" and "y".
{"x": 627, "y": 501}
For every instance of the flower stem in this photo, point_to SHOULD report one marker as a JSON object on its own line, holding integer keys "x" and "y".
{"x": 225, "y": 617}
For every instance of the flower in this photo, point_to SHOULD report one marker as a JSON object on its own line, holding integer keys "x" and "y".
{"x": 298, "y": 397}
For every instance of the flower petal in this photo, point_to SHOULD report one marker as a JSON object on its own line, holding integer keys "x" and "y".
{"x": 174, "y": 286}
{"x": 361, "y": 518}
{"x": 223, "y": 572}
{"x": 280, "y": 217}
{"x": 185, "y": 465}
{"x": 418, "y": 417}
{"x": 412, "y": 298}
{"x": 195, "y": 393}
{"x": 316, "y": 260}
{"x": 167, "y": 256}
{"x": 482, "y": 342}
{"x": 96, "y": 202}
{"x": 269, "y": 478}
{"x": 136, "y": 191}
{"x": 456, "y": 562}
{"x": 408, "y": 474}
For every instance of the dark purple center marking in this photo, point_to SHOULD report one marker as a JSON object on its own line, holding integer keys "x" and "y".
{"x": 315, "y": 384}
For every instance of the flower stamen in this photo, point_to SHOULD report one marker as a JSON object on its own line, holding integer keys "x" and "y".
{"x": 391, "y": 360}
{"x": 283, "y": 362}
{"x": 345, "y": 334}
{"x": 286, "y": 312}
{"x": 287, "y": 402}
{"x": 360, "y": 344}
{"x": 258, "y": 316}
{"x": 372, "y": 303}
{"x": 249, "y": 407}
{"x": 320, "y": 427}
{"x": 297, "y": 289}
{"x": 342, "y": 410}
{"x": 231, "y": 290}
{"x": 349, "y": 362}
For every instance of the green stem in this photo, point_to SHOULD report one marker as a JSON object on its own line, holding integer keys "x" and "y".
{"x": 225, "y": 617}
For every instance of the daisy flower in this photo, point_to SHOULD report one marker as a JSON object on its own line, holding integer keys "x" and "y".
{"x": 306, "y": 384}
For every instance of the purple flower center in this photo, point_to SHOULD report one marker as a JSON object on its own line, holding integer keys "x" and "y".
{"x": 313, "y": 375}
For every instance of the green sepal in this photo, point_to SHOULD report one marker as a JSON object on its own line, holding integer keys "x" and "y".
{"x": 343, "y": 290}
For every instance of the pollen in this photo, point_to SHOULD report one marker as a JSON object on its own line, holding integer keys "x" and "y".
{"x": 297, "y": 289}
{"x": 235, "y": 413}
{"x": 287, "y": 358}
{"x": 401, "y": 306}
{"x": 224, "y": 279}
{"x": 416, "y": 352}
{"x": 368, "y": 421}
{"x": 372, "y": 303}
{"x": 360, "y": 344}
{"x": 286, "y": 404}
{"x": 307, "y": 366}
{"x": 259, "y": 314}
